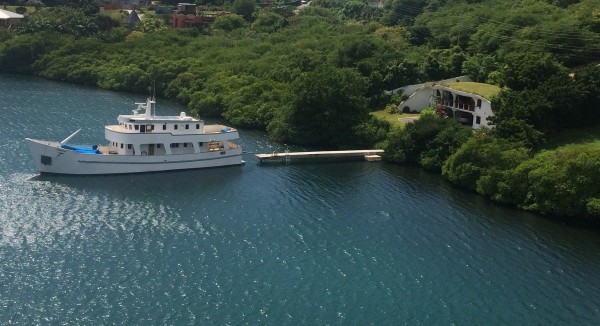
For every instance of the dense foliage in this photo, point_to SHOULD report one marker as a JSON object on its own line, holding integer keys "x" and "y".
{"x": 311, "y": 77}
{"x": 428, "y": 141}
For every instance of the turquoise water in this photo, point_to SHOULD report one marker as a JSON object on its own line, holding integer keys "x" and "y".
{"x": 329, "y": 243}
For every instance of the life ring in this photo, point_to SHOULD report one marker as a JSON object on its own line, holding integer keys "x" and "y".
{"x": 144, "y": 153}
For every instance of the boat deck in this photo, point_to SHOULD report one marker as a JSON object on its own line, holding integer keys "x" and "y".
{"x": 208, "y": 129}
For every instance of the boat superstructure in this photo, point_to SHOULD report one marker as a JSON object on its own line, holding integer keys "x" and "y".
{"x": 143, "y": 142}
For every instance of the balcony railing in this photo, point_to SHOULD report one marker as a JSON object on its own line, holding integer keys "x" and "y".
{"x": 450, "y": 104}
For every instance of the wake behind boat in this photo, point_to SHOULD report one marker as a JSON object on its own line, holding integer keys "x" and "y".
{"x": 143, "y": 142}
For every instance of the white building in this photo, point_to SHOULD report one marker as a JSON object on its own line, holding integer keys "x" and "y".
{"x": 9, "y": 18}
{"x": 466, "y": 101}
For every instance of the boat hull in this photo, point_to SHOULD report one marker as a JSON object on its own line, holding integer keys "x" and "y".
{"x": 49, "y": 157}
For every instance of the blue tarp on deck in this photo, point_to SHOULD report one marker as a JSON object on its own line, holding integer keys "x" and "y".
{"x": 82, "y": 149}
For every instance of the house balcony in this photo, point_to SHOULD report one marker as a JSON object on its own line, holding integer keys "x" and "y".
{"x": 450, "y": 104}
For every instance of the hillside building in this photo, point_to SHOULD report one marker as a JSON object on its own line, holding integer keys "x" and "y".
{"x": 9, "y": 19}
{"x": 466, "y": 101}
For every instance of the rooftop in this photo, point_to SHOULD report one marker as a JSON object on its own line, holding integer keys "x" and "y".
{"x": 481, "y": 89}
{"x": 5, "y": 14}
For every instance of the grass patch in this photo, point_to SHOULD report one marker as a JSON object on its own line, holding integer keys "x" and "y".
{"x": 485, "y": 90}
{"x": 587, "y": 137}
{"x": 30, "y": 9}
{"x": 393, "y": 118}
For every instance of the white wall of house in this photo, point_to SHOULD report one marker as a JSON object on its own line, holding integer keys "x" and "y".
{"x": 419, "y": 99}
{"x": 485, "y": 112}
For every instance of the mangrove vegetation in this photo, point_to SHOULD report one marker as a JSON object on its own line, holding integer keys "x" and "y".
{"x": 314, "y": 75}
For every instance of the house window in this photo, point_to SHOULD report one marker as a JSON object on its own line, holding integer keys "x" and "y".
{"x": 478, "y": 120}
{"x": 479, "y": 102}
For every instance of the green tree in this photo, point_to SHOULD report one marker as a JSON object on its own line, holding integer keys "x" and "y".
{"x": 62, "y": 20}
{"x": 88, "y": 7}
{"x": 402, "y": 12}
{"x": 20, "y": 52}
{"x": 480, "y": 160}
{"x": 445, "y": 143}
{"x": 479, "y": 66}
{"x": 406, "y": 145}
{"x": 440, "y": 64}
{"x": 150, "y": 24}
{"x": 372, "y": 132}
{"x": 528, "y": 70}
{"x": 254, "y": 105}
{"x": 244, "y": 8}
{"x": 563, "y": 182}
{"x": 229, "y": 23}
{"x": 324, "y": 106}
{"x": 269, "y": 22}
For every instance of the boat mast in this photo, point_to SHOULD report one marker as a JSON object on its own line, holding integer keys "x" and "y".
{"x": 69, "y": 138}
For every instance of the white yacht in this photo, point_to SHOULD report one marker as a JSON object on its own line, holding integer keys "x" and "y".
{"x": 143, "y": 142}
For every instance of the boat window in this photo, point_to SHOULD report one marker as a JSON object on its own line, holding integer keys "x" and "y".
{"x": 197, "y": 126}
{"x": 121, "y": 145}
{"x": 184, "y": 144}
{"x": 137, "y": 127}
{"x": 175, "y": 127}
{"x": 165, "y": 126}
{"x": 46, "y": 160}
{"x": 187, "y": 126}
{"x": 129, "y": 127}
{"x": 128, "y": 146}
{"x": 158, "y": 145}
{"x": 174, "y": 145}
{"x": 200, "y": 144}
{"x": 149, "y": 128}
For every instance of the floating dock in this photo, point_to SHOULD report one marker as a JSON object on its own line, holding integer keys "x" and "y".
{"x": 368, "y": 154}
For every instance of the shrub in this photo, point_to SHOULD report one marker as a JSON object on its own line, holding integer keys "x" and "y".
{"x": 426, "y": 112}
{"x": 406, "y": 145}
{"x": 562, "y": 182}
{"x": 593, "y": 207}
{"x": 481, "y": 162}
